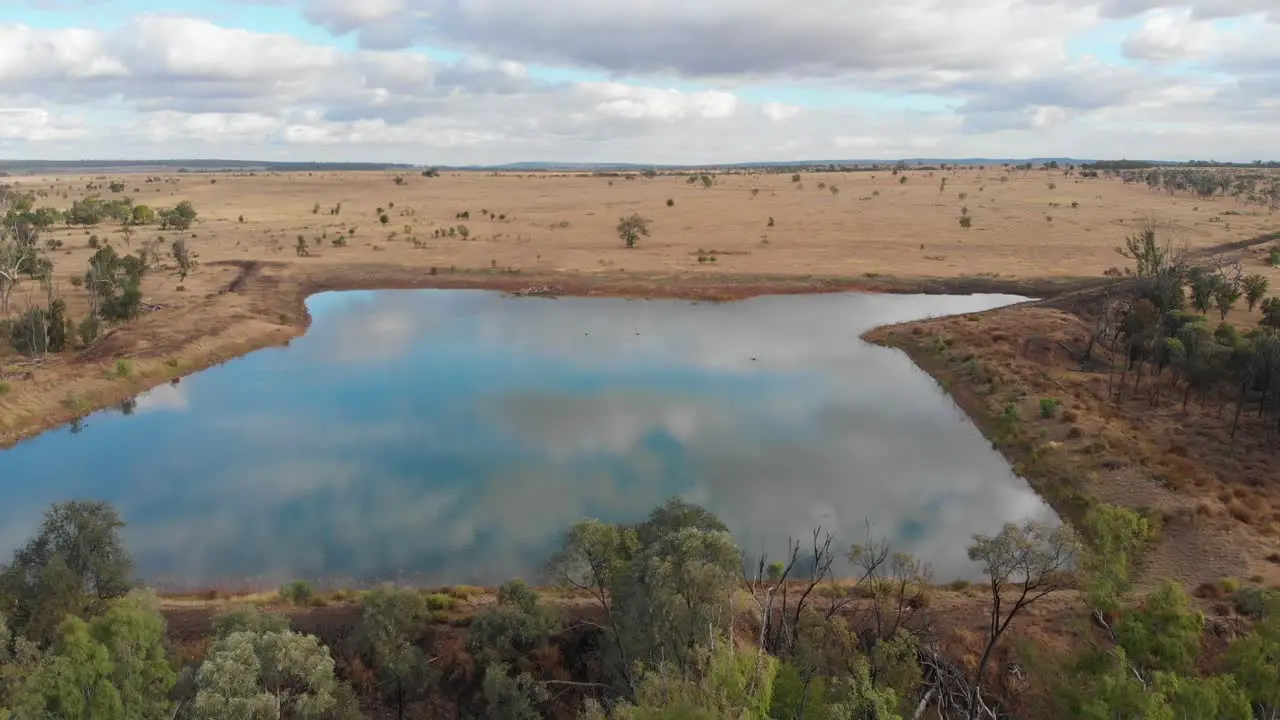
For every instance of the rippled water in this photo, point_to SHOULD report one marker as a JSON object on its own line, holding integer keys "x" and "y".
{"x": 452, "y": 436}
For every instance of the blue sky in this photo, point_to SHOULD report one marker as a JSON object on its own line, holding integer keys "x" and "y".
{"x": 457, "y": 81}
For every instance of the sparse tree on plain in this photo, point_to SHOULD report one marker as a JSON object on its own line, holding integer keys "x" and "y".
{"x": 632, "y": 227}
{"x": 184, "y": 257}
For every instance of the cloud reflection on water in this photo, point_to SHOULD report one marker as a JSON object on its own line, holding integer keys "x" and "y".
{"x": 454, "y": 435}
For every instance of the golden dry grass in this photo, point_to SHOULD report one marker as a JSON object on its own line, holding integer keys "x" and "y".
{"x": 1217, "y": 501}
{"x": 566, "y": 223}
{"x": 560, "y": 229}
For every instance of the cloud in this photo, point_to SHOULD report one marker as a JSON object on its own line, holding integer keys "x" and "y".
{"x": 637, "y": 103}
{"x": 720, "y": 37}
{"x": 1169, "y": 37}
{"x": 166, "y": 398}
{"x": 476, "y": 81}
{"x": 778, "y": 112}
{"x": 1199, "y": 9}
{"x": 38, "y": 124}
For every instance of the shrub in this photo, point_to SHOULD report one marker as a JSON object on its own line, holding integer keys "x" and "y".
{"x": 1049, "y": 407}
{"x": 966, "y": 222}
{"x": 88, "y": 329}
{"x": 1256, "y": 602}
{"x": 124, "y": 368}
{"x": 4, "y": 388}
{"x": 439, "y": 601}
{"x": 671, "y": 203}
{"x": 1275, "y": 257}
{"x": 1271, "y": 312}
{"x": 298, "y": 592}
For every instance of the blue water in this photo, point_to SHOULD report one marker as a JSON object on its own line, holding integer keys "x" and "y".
{"x": 452, "y": 436}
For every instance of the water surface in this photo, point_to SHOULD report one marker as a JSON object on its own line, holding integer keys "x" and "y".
{"x": 452, "y": 436}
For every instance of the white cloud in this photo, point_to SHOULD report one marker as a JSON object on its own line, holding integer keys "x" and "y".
{"x": 662, "y": 82}
{"x": 37, "y": 124}
{"x": 778, "y": 112}
{"x": 1169, "y": 36}
{"x": 641, "y": 103}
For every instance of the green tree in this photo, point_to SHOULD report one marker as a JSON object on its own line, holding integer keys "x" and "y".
{"x": 676, "y": 514}
{"x": 632, "y": 227}
{"x": 894, "y": 663}
{"x": 1115, "y": 535}
{"x": 511, "y": 697}
{"x": 593, "y": 559}
{"x": 1225, "y": 295}
{"x": 1028, "y": 560}
{"x": 133, "y": 632}
{"x": 511, "y": 629}
{"x": 184, "y": 257}
{"x": 89, "y": 211}
{"x": 114, "y": 284}
{"x": 390, "y": 626}
{"x": 677, "y": 592}
{"x": 265, "y": 676}
{"x": 247, "y": 619}
{"x": 19, "y": 257}
{"x": 1203, "y": 285}
{"x": 720, "y": 682}
{"x": 857, "y": 698}
{"x": 74, "y": 565}
{"x": 179, "y": 217}
{"x": 1271, "y": 312}
{"x": 1217, "y": 697}
{"x": 1254, "y": 661}
{"x": 1255, "y": 288}
{"x": 1103, "y": 687}
{"x": 74, "y": 681}
{"x": 1163, "y": 633}
{"x": 143, "y": 215}
{"x": 29, "y": 333}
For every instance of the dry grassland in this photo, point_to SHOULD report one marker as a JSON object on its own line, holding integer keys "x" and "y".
{"x": 556, "y": 230}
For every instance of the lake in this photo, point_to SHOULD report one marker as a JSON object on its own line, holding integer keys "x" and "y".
{"x": 451, "y": 436}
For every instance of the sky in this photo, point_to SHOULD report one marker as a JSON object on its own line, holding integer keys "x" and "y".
{"x": 651, "y": 81}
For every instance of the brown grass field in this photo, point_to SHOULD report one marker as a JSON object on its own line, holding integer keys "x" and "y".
{"x": 557, "y": 232}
